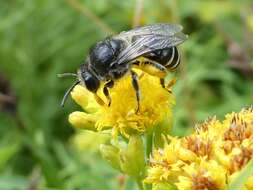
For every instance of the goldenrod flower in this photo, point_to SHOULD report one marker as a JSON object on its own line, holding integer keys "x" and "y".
{"x": 209, "y": 158}
{"x": 204, "y": 175}
{"x": 121, "y": 116}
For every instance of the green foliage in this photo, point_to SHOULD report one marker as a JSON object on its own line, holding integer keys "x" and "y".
{"x": 41, "y": 38}
{"x": 242, "y": 178}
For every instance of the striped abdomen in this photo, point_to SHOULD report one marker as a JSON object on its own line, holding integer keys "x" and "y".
{"x": 169, "y": 58}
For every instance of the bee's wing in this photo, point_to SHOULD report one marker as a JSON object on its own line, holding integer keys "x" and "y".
{"x": 159, "y": 28}
{"x": 148, "y": 39}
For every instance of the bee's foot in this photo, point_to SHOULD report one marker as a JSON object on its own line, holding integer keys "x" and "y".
{"x": 109, "y": 103}
{"x": 137, "y": 111}
{"x": 169, "y": 90}
{"x": 170, "y": 84}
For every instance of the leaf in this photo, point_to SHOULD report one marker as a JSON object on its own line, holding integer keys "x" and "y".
{"x": 8, "y": 148}
{"x": 130, "y": 184}
{"x": 7, "y": 152}
{"x": 240, "y": 181}
{"x": 11, "y": 182}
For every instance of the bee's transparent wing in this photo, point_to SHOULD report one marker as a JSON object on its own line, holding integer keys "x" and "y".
{"x": 159, "y": 28}
{"x": 149, "y": 38}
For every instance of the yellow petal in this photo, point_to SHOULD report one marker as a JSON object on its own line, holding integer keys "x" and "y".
{"x": 84, "y": 98}
{"x": 82, "y": 120}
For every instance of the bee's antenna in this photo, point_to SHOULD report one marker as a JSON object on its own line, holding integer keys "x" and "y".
{"x": 67, "y": 75}
{"x": 68, "y": 92}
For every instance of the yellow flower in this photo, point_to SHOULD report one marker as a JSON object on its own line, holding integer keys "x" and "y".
{"x": 155, "y": 174}
{"x": 175, "y": 151}
{"x": 167, "y": 164}
{"x": 201, "y": 147}
{"x": 207, "y": 175}
{"x": 121, "y": 116}
{"x": 209, "y": 158}
{"x": 164, "y": 172}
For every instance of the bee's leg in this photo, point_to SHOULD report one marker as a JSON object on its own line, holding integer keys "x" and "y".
{"x": 158, "y": 66}
{"x": 162, "y": 82}
{"x": 99, "y": 100}
{"x": 106, "y": 91}
{"x": 162, "y": 73}
{"x": 169, "y": 85}
{"x": 136, "y": 63}
{"x": 141, "y": 75}
{"x": 151, "y": 67}
{"x": 136, "y": 88}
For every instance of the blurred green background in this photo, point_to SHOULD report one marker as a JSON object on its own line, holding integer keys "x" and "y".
{"x": 40, "y": 38}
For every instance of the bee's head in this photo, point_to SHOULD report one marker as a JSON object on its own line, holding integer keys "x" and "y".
{"x": 89, "y": 80}
{"x": 83, "y": 76}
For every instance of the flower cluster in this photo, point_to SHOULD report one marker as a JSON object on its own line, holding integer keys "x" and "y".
{"x": 208, "y": 159}
{"x": 121, "y": 116}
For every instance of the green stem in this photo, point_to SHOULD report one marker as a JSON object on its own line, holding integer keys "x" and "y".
{"x": 149, "y": 145}
{"x": 148, "y": 187}
{"x": 140, "y": 185}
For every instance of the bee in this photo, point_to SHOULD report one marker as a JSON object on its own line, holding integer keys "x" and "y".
{"x": 150, "y": 48}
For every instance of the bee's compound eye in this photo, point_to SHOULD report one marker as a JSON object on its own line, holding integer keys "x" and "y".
{"x": 90, "y": 81}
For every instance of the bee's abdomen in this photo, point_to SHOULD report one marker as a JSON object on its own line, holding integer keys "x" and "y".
{"x": 169, "y": 58}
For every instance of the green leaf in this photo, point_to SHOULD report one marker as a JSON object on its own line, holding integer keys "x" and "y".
{"x": 130, "y": 184}
{"x": 12, "y": 181}
{"x": 240, "y": 181}
{"x": 7, "y": 152}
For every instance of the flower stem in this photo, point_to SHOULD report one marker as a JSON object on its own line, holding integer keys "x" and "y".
{"x": 148, "y": 187}
{"x": 140, "y": 185}
{"x": 149, "y": 145}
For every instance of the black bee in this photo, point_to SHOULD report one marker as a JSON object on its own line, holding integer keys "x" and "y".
{"x": 151, "y": 48}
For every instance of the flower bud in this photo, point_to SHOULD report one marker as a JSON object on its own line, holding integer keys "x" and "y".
{"x": 111, "y": 155}
{"x": 132, "y": 158}
{"x": 161, "y": 129}
{"x": 79, "y": 94}
{"x": 83, "y": 98}
{"x": 82, "y": 120}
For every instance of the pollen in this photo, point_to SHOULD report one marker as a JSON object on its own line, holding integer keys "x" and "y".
{"x": 241, "y": 159}
{"x": 198, "y": 146}
{"x": 155, "y": 106}
{"x": 200, "y": 181}
{"x": 239, "y": 130}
